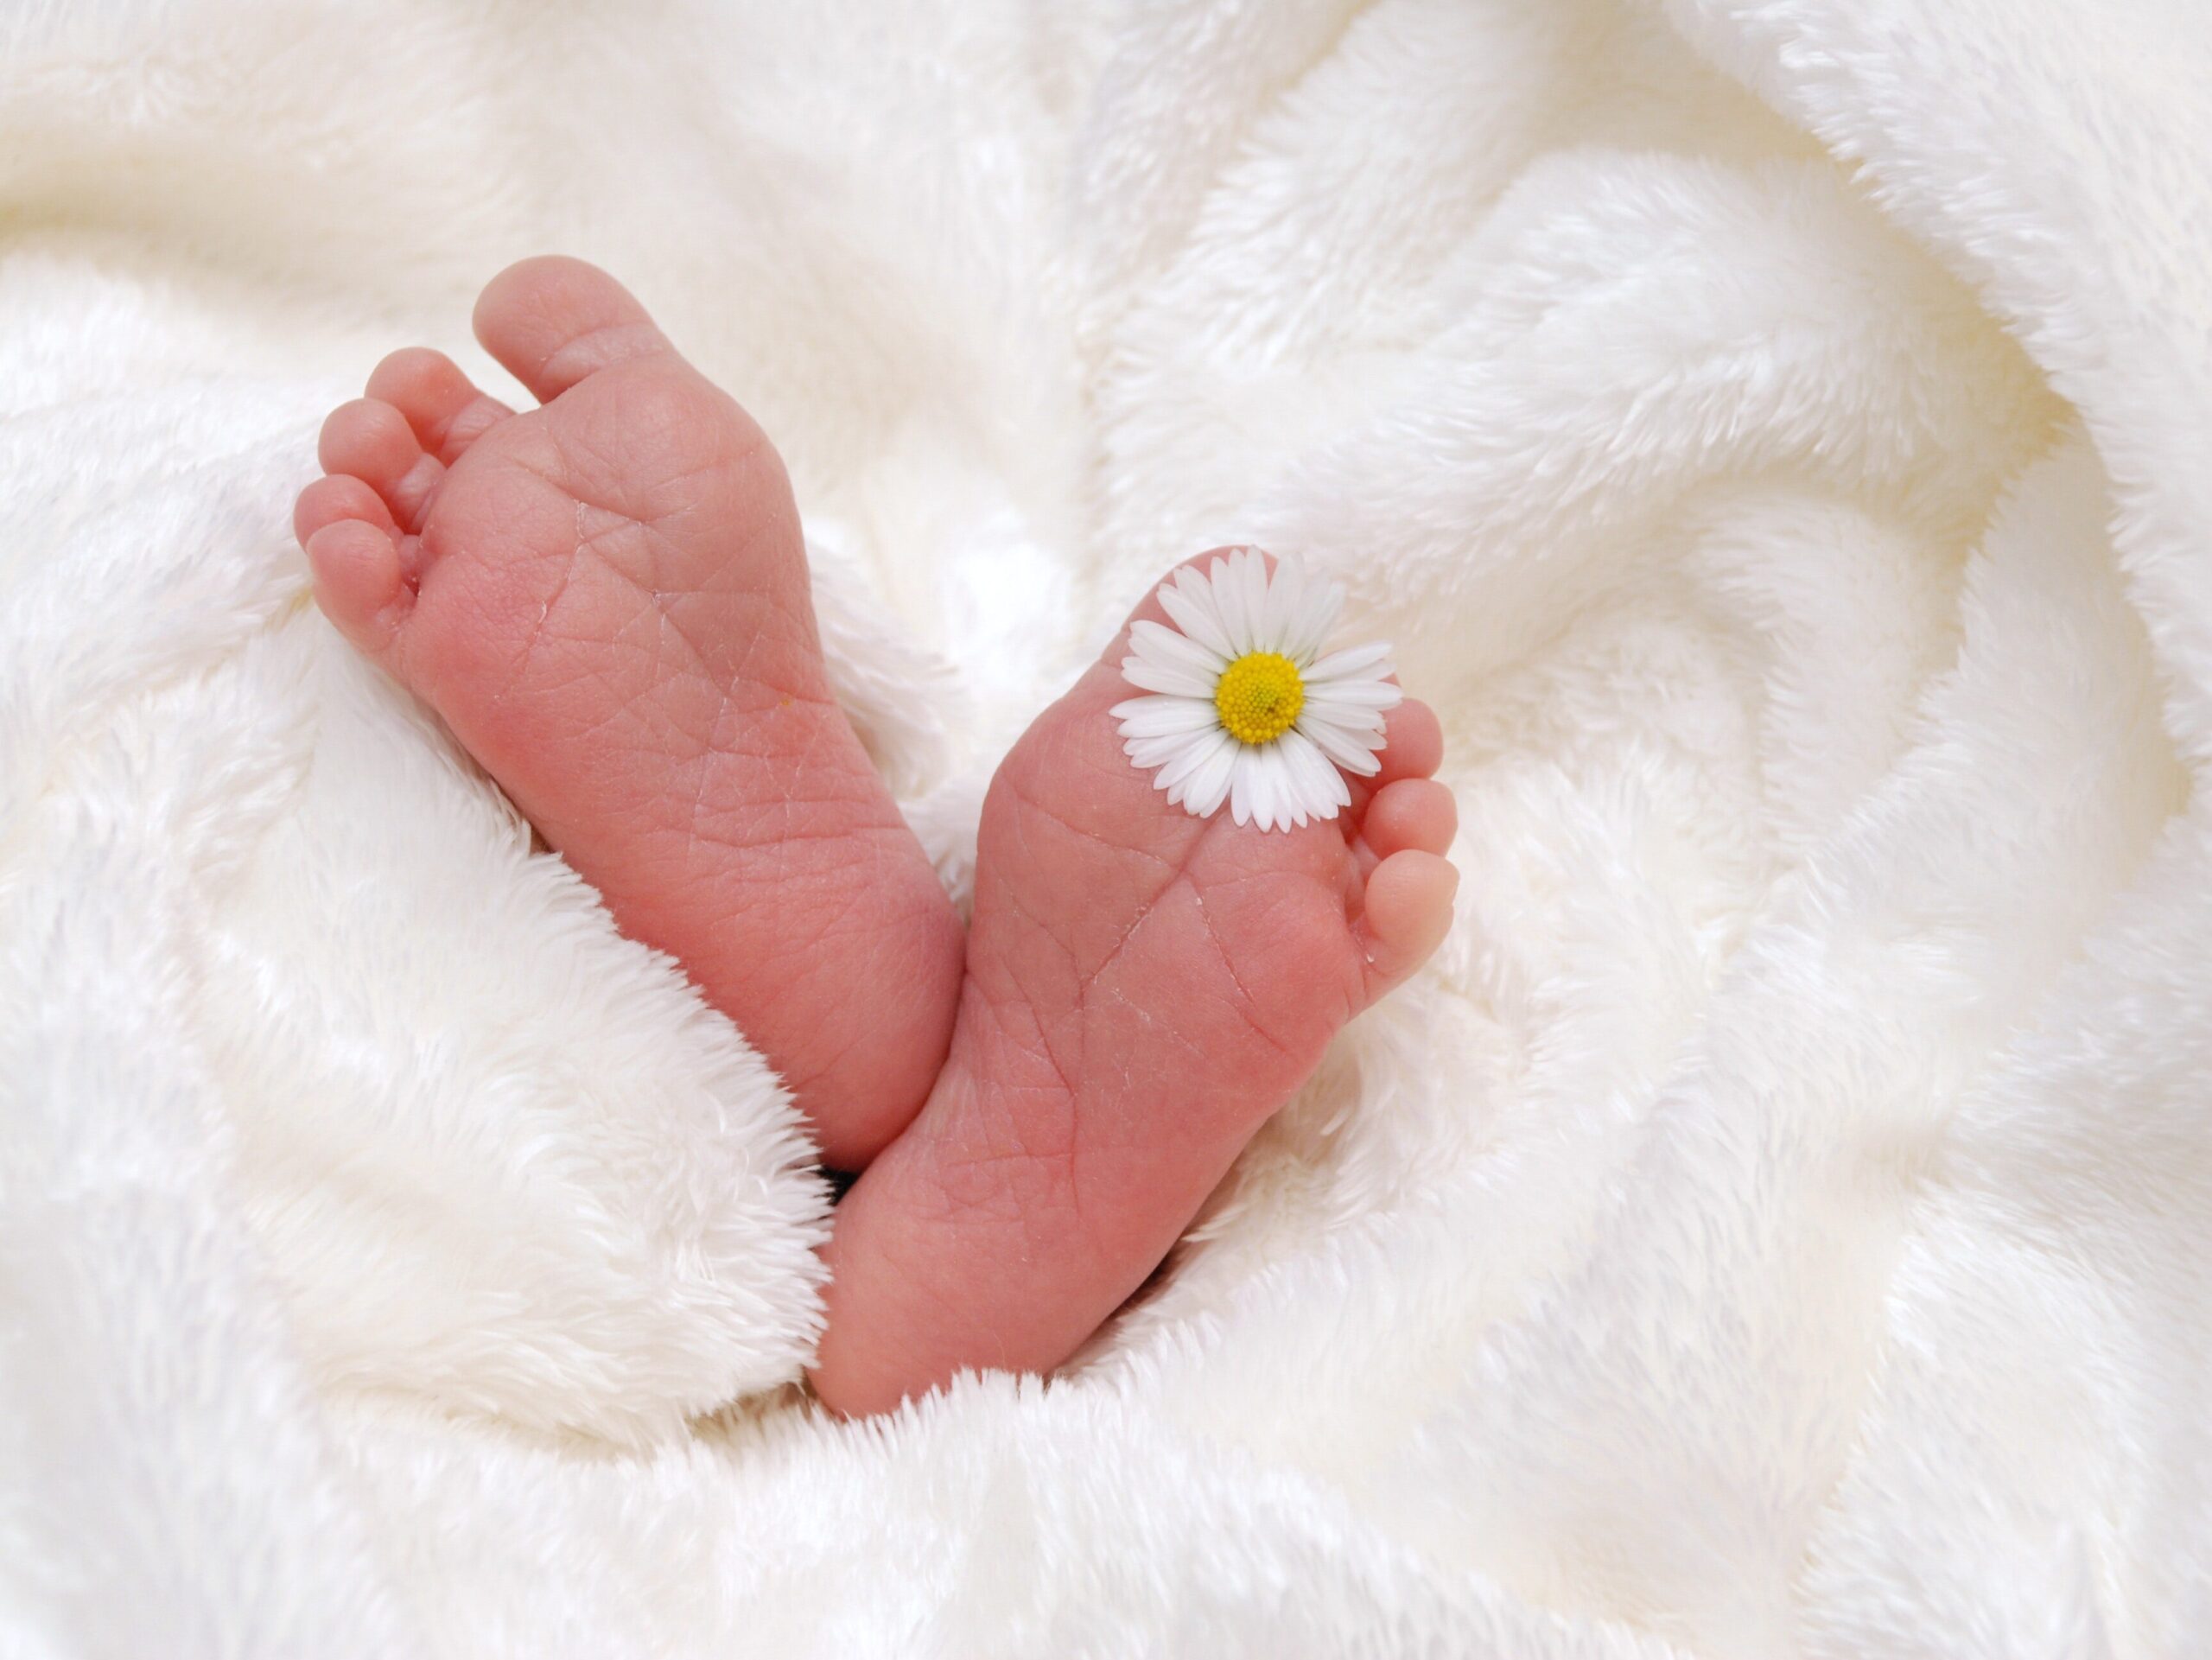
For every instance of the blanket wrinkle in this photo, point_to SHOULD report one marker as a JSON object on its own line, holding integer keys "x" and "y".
{"x": 1772, "y": 433}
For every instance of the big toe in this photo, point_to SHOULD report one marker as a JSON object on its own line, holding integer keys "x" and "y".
{"x": 551, "y": 320}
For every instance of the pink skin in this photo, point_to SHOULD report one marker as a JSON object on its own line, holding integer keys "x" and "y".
{"x": 1144, "y": 989}
{"x": 607, "y": 599}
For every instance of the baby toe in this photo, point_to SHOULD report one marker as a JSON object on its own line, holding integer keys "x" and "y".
{"x": 552, "y": 320}
{"x": 1412, "y": 747}
{"x": 336, "y": 496}
{"x": 1406, "y": 911}
{"x": 1415, "y": 814}
{"x": 1412, "y": 743}
{"x": 370, "y": 440}
{"x": 360, "y": 582}
{"x": 440, "y": 403}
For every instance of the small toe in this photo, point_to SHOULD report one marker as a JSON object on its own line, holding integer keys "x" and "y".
{"x": 1413, "y": 742}
{"x": 360, "y": 582}
{"x": 370, "y": 440}
{"x": 442, "y": 403}
{"x": 1415, "y": 814}
{"x": 1412, "y": 747}
{"x": 1408, "y": 911}
{"x": 339, "y": 496}
{"x": 552, "y": 320}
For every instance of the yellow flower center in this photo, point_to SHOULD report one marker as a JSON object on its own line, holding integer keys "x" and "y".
{"x": 1259, "y": 696}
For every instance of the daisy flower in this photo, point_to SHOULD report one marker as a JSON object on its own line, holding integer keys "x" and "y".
{"x": 1243, "y": 707}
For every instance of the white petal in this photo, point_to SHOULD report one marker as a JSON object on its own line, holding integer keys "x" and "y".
{"x": 1311, "y": 780}
{"x": 1202, "y": 796}
{"x": 1325, "y": 601}
{"x": 1254, "y": 578}
{"x": 1229, "y": 600}
{"x": 1361, "y": 660}
{"x": 1285, "y": 802}
{"x": 1324, "y": 782}
{"x": 1161, "y": 678}
{"x": 1157, "y": 717}
{"x": 1157, "y": 643}
{"x": 1353, "y": 752}
{"x": 1240, "y": 784}
{"x": 1286, "y": 598}
{"x": 1321, "y": 788}
{"x": 1163, "y": 751}
{"x": 1260, "y": 771}
{"x": 1348, "y": 717}
{"x": 1358, "y": 694}
{"x": 1189, "y": 600}
{"x": 1196, "y": 585}
{"x": 1186, "y": 765}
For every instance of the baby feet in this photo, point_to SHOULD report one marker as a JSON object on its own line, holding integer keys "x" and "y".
{"x": 1144, "y": 989}
{"x": 607, "y": 599}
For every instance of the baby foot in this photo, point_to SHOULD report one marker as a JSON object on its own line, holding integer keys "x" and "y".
{"x": 1144, "y": 989}
{"x": 607, "y": 599}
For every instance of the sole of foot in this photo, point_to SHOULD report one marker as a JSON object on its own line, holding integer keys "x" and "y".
{"x": 606, "y": 599}
{"x": 1144, "y": 989}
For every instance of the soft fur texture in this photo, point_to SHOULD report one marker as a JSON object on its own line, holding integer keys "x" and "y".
{"x": 1777, "y": 435}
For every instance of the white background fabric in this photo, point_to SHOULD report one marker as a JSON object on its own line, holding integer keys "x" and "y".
{"x": 1776, "y": 434}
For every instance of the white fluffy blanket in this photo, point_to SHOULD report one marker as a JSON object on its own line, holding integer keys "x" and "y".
{"x": 1777, "y": 435}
